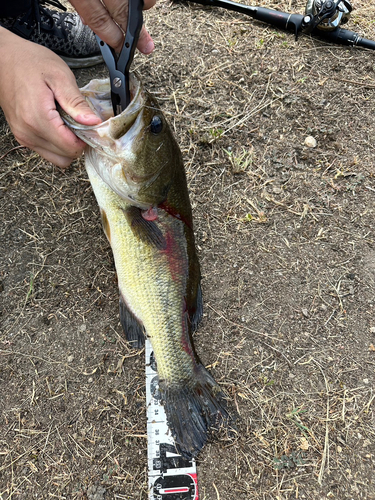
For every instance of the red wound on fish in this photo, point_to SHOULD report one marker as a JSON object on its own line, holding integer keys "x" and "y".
{"x": 175, "y": 257}
{"x": 187, "y": 347}
{"x": 174, "y": 213}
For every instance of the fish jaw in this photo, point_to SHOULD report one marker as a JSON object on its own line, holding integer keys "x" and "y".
{"x": 113, "y": 145}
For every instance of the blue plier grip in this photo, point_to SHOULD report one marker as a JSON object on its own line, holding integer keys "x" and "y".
{"x": 119, "y": 66}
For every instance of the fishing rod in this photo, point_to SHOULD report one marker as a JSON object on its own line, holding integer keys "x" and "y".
{"x": 322, "y": 19}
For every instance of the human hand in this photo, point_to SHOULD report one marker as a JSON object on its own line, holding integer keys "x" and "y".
{"x": 104, "y": 18}
{"x": 32, "y": 79}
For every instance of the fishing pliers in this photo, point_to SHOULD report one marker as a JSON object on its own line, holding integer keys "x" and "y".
{"x": 119, "y": 65}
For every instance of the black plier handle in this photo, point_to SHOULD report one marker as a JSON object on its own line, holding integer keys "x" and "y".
{"x": 118, "y": 66}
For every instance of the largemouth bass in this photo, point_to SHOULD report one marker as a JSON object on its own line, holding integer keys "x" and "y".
{"x": 136, "y": 171}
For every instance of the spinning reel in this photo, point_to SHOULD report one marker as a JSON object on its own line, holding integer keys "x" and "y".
{"x": 326, "y": 14}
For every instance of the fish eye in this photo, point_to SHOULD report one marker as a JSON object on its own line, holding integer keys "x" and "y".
{"x": 156, "y": 125}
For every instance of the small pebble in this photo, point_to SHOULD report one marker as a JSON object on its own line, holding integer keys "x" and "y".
{"x": 310, "y": 141}
{"x": 70, "y": 358}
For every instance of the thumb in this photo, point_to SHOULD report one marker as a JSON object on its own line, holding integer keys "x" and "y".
{"x": 145, "y": 42}
{"x": 75, "y": 105}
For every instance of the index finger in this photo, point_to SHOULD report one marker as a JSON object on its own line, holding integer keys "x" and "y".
{"x": 105, "y": 18}
{"x": 118, "y": 10}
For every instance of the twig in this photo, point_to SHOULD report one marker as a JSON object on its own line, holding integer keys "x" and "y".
{"x": 325, "y": 456}
{"x": 10, "y": 151}
{"x": 217, "y": 492}
{"x": 277, "y": 350}
{"x": 243, "y": 326}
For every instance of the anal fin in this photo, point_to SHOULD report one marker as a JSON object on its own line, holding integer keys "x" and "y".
{"x": 133, "y": 329}
{"x": 196, "y": 312}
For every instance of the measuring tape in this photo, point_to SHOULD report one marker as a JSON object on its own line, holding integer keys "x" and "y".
{"x": 170, "y": 476}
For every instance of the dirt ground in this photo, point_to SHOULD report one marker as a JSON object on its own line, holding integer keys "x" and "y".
{"x": 286, "y": 242}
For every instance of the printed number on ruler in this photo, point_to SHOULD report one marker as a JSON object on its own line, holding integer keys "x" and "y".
{"x": 171, "y": 477}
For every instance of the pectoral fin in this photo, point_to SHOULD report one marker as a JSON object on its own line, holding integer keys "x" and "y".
{"x": 147, "y": 231}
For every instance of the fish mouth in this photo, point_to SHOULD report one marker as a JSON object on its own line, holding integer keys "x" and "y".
{"x": 113, "y": 143}
{"x": 98, "y": 96}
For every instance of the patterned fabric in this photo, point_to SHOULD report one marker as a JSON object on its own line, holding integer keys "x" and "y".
{"x": 62, "y": 32}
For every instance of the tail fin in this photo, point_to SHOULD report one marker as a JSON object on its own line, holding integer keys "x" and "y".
{"x": 194, "y": 411}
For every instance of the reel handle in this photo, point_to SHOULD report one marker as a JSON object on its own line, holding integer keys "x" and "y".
{"x": 344, "y": 37}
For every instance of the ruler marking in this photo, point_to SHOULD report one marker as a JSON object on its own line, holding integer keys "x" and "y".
{"x": 168, "y": 472}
